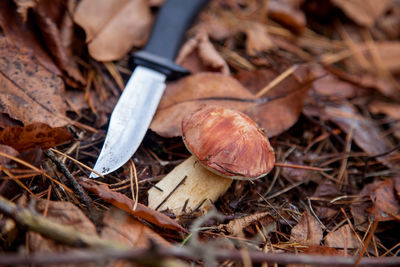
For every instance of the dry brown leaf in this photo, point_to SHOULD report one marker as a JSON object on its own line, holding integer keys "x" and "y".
{"x": 364, "y": 12}
{"x": 113, "y": 27}
{"x": 365, "y": 134}
{"x": 28, "y": 91}
{"x": 124, "y": 229}
{"x": 118, "y": 226}
{"x": 287, "y": 15}
{"x": 64, "y": 213}
{"x": 327, "y": 190}
{"x": 258, "y": 39}
{"x": 198, "y": 54}
{"x": 9, "y": 151}
{"x": 48, "y": 14}
{"x": 193, "y": 92}
{"x": 390, "y": 109}
{"x": 285, "y": 102}
{"x": 332, "y": 88}
{"x": 385, "y": 204}
{"x": 275, "y": 113}
{"x": 24, "y": 36}
{"x": 126, "y": 204}
{"x": 34, "y": 135}
{"x": 366, "y": 80}
{"x": 342, "y": 238}
{"x": 307, "y": 232}
{"x": 51, "y": 18}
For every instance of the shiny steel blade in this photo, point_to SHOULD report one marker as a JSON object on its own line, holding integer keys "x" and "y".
{"x": 130, "y": 119}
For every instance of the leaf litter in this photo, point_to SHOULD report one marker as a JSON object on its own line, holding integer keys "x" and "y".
{"x": 325, "y": 89}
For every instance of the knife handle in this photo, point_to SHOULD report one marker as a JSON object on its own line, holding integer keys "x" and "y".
{"x": 172, "y": 22}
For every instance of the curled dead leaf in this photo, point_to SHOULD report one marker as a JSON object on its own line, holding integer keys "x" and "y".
{"x": 286, "y": 14}
{"x": 258, "y": 39}
{"x": 198, "y": 54}
{"x": 124, "y": 203}
{"x": 113, "y": 27}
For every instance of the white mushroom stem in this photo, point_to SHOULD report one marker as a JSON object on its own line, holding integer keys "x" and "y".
{"x": 188, "y": 187}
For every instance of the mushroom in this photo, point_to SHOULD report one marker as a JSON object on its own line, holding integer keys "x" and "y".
{"x": 225, "y": 145}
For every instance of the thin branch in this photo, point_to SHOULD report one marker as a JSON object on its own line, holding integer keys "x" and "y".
{"x": 159, "y": 253}
{"x": 77, "y": 187}
{"x": 64, "y": 234}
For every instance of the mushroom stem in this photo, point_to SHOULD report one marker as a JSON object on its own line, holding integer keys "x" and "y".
{"x": 188, "y": 187}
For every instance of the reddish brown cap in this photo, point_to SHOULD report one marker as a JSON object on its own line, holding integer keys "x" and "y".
{"x": 228, "y": 143}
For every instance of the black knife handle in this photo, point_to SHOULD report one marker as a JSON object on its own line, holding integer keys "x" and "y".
{"x": 172, "y": 22}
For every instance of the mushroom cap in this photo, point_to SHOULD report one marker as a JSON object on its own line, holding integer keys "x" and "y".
{"x": 228, "y": 143}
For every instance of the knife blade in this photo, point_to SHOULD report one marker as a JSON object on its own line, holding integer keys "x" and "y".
{"x": 138, "y": 102}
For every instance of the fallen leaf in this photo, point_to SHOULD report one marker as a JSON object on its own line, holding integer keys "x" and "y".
{"x": 363, "y": 12}
{"x": 126, "y": 204}
{"x": 124, "y": 229}
{"x": 366, "y": 80}
{"x": 365, "y": 134}
{"x": 385, "y": 203}
{"x": 9, "y": 151}
{"x": 332, "y": 88}
{"x": 342, "y": 238}
{"x": 51, "y": 18}
{"x": 275, "y": 113}
{"x": 193, "y": 92}
{"x": 287, "y": 15}
{"x": 34, "y": 135}
{"x": 257, "y": 39}
{"x": 329, "y": 191}
{"x": 307, "y": 232}
{"x": 199, "y": 55}
{"x": 113, "y": 27}
{"x": 285, "y": 103}
{"x": 249, "y": 225}
{"x": 64, "y": 213}
{"x": 24, "y": 35}
{"x": 388, "y": 108}
{"x": 29, "y": 92}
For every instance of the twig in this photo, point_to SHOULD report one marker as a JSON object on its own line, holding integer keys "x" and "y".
{"x": 77, "y": 187}
{"x": 64, "y": 234}
{"x": 143, "y": 255}
{"x": 106, "y": 250}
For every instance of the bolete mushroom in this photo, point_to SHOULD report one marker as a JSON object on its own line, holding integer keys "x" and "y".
{"x": 225, "y": 145}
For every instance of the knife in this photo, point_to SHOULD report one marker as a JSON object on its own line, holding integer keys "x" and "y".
{"x": 138, "y": 102}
